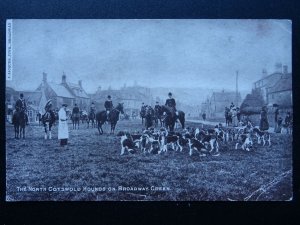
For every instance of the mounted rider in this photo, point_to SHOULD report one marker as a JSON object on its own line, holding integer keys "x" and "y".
{"x": 170, "y": 102}
{"x": 48, "y": 108}
{"x": 143, "y": 107}
{"x": 22, "y": 107}
{"x": 93, "y": 108}
{"x": 108, "y": 107}
{"x": 75, "y": 110}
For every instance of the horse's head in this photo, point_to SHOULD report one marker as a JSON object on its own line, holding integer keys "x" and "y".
{"x": 120, "y": 107}
{"x": 165, "y": 109}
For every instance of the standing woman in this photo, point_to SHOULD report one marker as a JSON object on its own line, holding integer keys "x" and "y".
{"x": 63, "y": 131}
{"x": 264, "y": 123}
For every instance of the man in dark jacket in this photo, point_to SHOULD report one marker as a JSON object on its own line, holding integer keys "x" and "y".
{"x": 108, "y": 106}
{"x": 22, "y": 107}
{"x": 170, "y": 102}
{"x": 264, "y": 122}
{"x": 75, "y": 109}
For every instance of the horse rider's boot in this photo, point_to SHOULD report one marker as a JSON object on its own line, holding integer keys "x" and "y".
{"x": 50, "y": 135}
{"x": 45, "y": 136}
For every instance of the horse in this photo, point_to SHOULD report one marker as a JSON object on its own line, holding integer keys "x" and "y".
{"x": 149, "y": 117}
{"x": 91, "y": 117}
{"x": 19, "y": 122}
{"x": 101, "y": 118}
{"x": 171, "y": 117}
{"x": 48, "y": 120}
{"x": 143, "y": 113}
{"x": 228, "y": 116}
{"x": 75, "y": 117}
{"x": 158, "y": 115}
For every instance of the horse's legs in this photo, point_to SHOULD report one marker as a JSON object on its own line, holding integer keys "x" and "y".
{"x": 16, "y": 131}
{"x": 100, "y": 128}
{"x": 23, "y": 128}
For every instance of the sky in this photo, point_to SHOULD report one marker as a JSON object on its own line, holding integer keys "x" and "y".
{"x": 153, "y": 53}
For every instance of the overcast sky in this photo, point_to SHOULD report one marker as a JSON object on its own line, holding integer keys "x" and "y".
{"x": 154, "y": 53}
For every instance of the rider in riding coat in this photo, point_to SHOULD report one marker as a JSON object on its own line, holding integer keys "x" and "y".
{"x": 75, "y": 109}
{"x": 93, "y": 108}
{"x": 108, "y": 106}
{"x": 21, "y": 106}
{"x": 156, "y": 107}
{"x": 170, "y": 102}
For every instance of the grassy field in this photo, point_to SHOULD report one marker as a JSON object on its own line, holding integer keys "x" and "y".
{"x": 90, "y": 168}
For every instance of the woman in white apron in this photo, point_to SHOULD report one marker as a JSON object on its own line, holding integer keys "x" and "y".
{"x": 63, "y": 131}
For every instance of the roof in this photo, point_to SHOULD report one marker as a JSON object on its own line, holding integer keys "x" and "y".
{"x": 284, "y": 84}
{"x": 61, "y": 90}
{"x": 271, "y": 81}
{"x": 32, "y": 96}
{"x": 252, "y": 103}
{"x": 77, "y": 90}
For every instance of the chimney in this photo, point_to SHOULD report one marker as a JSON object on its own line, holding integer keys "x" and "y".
{"x": 44, "y": 77}
{"x": 64, "y": 78}
{"x": 80, "y": 83}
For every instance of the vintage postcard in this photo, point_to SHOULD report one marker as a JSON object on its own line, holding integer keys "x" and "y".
{"x": 149, "y": 110}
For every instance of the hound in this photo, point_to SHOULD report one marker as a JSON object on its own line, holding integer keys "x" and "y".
{"x": 195, "y": 144}
{"x": 169, "y": 139}
{"x": 208, "y": 138}
{"x": 245, "y": 141}
{"x": 127, "y": 143}
{"x": 155, "y": 143}
{"x": 262, "y": 136}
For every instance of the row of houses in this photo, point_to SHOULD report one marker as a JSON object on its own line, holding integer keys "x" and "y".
{"x": 72, "y": 93}
{"x": 271, "y": 90}
{"x": 63, "y": 92}
{"x": 214, "y": 106}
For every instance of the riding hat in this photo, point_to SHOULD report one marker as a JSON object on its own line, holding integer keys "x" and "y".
{"x": 170, "y": 94}
{"x": 108, "y": 96}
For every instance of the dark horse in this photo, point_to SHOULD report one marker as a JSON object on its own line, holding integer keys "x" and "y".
{"x": 48, "y": 119}
{"x": 149, "y": 117}
{"x": 143, "y": 113}
{"x": 114, "y": 114}
{"x": 75, "y": 117}
{"x": 171, "y": 117}
{"x": 158, "y": 115}
{"x": 91, "y": 118}
{"x": 228, "y": 116}
{"x": 19, "y": 122}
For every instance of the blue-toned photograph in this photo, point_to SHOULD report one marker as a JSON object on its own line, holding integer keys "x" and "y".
{"x": 149, "y": 110}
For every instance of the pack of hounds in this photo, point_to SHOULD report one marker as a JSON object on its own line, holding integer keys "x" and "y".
{"x": 202, "y": 141}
